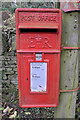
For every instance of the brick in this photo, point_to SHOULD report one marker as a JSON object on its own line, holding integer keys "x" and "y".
{"x": 15, "y": 69}
{"x": 0, "y": 75}
{"x": 6, "y": 58}
{"x": 16, "y": 72}
{"x": 9, "y": 72}
{"x": 13, "y": 79}
{"x": 1, "y": 58}
{"x": 9, "y": 69}
{"x": 10, "y": 77}
{"x": 13, "y": 66}
{"x": 0, "y": 62}
{"x": 6, "y": 62}
{"x": 4, "y": 77}
{"x": 0, "y": 85}
{"x": 13, "y": 58}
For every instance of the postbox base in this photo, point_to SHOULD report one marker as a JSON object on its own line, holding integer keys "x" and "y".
{"x": 36, "y": 106}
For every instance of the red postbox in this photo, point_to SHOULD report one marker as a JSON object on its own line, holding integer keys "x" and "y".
{"x": 38, "y": 39}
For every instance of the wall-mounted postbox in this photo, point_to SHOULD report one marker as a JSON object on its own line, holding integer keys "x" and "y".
{"x": 38, "y": 38}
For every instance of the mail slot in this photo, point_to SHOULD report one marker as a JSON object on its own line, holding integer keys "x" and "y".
{"x": 38, "y": 39}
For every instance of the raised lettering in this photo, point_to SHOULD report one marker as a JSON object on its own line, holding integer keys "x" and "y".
{"x": 31, "y": 42}
{"x": 46, "y": 43}
{"x": 40, "y": 18}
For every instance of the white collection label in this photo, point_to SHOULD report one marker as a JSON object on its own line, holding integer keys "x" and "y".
{"x": 38, "y": 76}
{"x": 39, "y": 56}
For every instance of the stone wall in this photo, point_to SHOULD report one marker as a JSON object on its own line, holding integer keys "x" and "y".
{"x": 9, "y": 72}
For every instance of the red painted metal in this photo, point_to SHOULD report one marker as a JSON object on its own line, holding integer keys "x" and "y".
{"x": 72, "y": 90}
{"x": 38, "y": 51}
{"x": 70, "y": 48}
{"x": 38, "y": 31}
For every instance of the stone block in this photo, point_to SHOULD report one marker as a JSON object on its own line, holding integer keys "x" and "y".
{"x": 4, "y": 77}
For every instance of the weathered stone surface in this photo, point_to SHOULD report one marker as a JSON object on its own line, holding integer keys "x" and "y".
{"x": 4, "y": 77}
{"x": 5, "y": 15}
{"x": 9, "y": 58}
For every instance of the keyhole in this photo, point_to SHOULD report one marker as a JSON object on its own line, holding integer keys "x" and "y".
{"x": 27, "y": 79}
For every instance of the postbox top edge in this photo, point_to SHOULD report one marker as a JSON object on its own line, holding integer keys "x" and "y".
{"x": 37, "y": 10}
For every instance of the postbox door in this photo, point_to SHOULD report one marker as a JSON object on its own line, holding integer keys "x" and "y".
{"x": 48, "y": 97}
